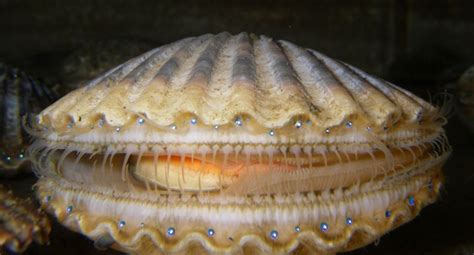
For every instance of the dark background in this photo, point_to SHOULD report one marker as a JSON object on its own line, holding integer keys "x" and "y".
{"x": 419, "y": 45}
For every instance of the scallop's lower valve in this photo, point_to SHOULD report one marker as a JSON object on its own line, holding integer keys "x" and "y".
{"x": 231, "y": 144}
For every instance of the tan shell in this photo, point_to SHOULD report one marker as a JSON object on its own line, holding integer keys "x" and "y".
{"x": 218, "y": 77}
{"x": 389, "y": 151}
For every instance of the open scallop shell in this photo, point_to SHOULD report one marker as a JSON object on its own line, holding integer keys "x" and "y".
{"x": 214, "y": 94}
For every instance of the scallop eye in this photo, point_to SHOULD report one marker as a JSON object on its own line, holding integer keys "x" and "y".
{"x": 6, "y": 158}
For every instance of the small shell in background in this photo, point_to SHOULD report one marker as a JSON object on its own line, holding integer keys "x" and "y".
{"x": 20, "y": 223}
{"x": 465, "y": 94}
{"x": 20, "y": 94}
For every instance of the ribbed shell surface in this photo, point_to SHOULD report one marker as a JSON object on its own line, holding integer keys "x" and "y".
{"x": 218, "y": 77}
{"x": 20, "y": 94}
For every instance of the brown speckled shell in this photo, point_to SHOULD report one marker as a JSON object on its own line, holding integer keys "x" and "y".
{"x": 20, "y": 223}
{"x": 217, "y": 77}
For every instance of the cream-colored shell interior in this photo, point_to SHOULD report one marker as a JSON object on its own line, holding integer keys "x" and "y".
{"x": 219, "y": 77}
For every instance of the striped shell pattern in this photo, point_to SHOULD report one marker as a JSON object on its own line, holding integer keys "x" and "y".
{"x": 237, "y": 144}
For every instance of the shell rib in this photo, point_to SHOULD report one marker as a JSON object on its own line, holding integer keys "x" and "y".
{"x": 237, "y": 144}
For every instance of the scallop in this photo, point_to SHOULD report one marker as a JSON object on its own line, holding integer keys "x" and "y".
{"x": 237, "y": 144}
{"x": 20, "y": 95}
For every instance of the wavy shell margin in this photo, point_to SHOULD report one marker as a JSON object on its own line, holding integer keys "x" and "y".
{"x": 218, "y": 77}
{"x": 150, "y": 240}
